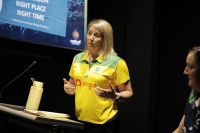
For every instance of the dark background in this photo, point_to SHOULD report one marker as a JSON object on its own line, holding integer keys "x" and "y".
{"x": 153, "y": 36}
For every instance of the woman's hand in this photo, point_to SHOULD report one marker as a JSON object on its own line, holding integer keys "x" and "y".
{"x": 68, "y": 87}
{"x": 106, "y": 93}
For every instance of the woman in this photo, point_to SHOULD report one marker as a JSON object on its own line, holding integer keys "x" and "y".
{"x": 191, "y": 118}
{"x": 98, "y": 79}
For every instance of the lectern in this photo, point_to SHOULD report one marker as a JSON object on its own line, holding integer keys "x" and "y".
{"x": 14, "y": 114}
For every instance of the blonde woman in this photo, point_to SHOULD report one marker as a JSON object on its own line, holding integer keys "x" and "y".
{"x": 98, "y": 79}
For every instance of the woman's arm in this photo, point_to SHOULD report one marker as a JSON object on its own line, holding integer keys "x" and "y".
{"x": 125, "y": 91}
{"x": 179, "y": 129}
{"x": 122, "y": 92}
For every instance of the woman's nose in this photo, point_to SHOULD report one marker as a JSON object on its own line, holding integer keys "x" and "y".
{"x": 91, "y": 37}
{"x": 185, "y": 71}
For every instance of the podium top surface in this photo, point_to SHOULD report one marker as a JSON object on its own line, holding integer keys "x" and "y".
{"x": 18, "y": 111}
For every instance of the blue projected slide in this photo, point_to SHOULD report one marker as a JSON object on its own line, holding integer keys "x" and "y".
{"x": 49, "y": 22}
{"x": 41, "y": 15}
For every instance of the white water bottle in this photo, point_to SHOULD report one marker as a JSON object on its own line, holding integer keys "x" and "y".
{"x": 35, "y": 95}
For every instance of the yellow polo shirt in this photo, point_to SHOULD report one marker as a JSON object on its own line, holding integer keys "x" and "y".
{"x": 90, "y": 107}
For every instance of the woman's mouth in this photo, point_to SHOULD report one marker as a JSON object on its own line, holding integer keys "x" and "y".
{"x": 92, "y": 45}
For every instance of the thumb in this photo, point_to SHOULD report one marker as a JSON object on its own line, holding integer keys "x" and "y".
{"x": 65, "y": 80}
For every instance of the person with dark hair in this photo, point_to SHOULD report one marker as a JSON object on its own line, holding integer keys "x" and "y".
{"x": 99, "y": 79}
{"x": 190, "y": 122}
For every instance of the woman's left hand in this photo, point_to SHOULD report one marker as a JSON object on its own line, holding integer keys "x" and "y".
{"x": 106, "y": 93}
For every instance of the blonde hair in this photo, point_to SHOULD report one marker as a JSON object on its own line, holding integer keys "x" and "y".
{"x": 106, "y": 32}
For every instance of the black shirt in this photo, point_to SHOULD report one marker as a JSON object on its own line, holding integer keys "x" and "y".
{"x": 192, "y": 113}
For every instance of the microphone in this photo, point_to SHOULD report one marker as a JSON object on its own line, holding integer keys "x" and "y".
{"x": 18, "y": 76}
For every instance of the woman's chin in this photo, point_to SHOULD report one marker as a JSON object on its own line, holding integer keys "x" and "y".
{"x": 190, "y": 85}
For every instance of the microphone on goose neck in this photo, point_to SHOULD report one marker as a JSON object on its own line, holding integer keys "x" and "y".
{"x": 18, "y": 76}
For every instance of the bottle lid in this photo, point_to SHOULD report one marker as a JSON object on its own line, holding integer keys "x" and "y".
{"x": 37, "y": 83}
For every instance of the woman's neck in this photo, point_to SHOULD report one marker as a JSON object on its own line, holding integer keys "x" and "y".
{"x": 92, "y": 56}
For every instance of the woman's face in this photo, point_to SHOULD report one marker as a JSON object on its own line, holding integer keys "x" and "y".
{"x": 94, "y": 40}
{"x": 191, "y": 70}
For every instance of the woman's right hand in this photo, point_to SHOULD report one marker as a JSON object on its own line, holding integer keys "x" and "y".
{"x": 69, "y": 88}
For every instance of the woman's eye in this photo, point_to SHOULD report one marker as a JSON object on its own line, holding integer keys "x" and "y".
{"x": 97, "y": 35}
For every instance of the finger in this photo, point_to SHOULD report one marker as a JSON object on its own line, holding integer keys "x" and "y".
{"x": 98, "y": 91}
{"x": 66, "y": 81}
{"x": 111, "y": 86}
{"x": 101, "y": 89}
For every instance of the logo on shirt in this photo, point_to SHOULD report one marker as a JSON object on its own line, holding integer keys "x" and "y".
{"x": 78, "y": 82}
{"x": 85, "y": 84}
{"x": 97, "y": 69}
